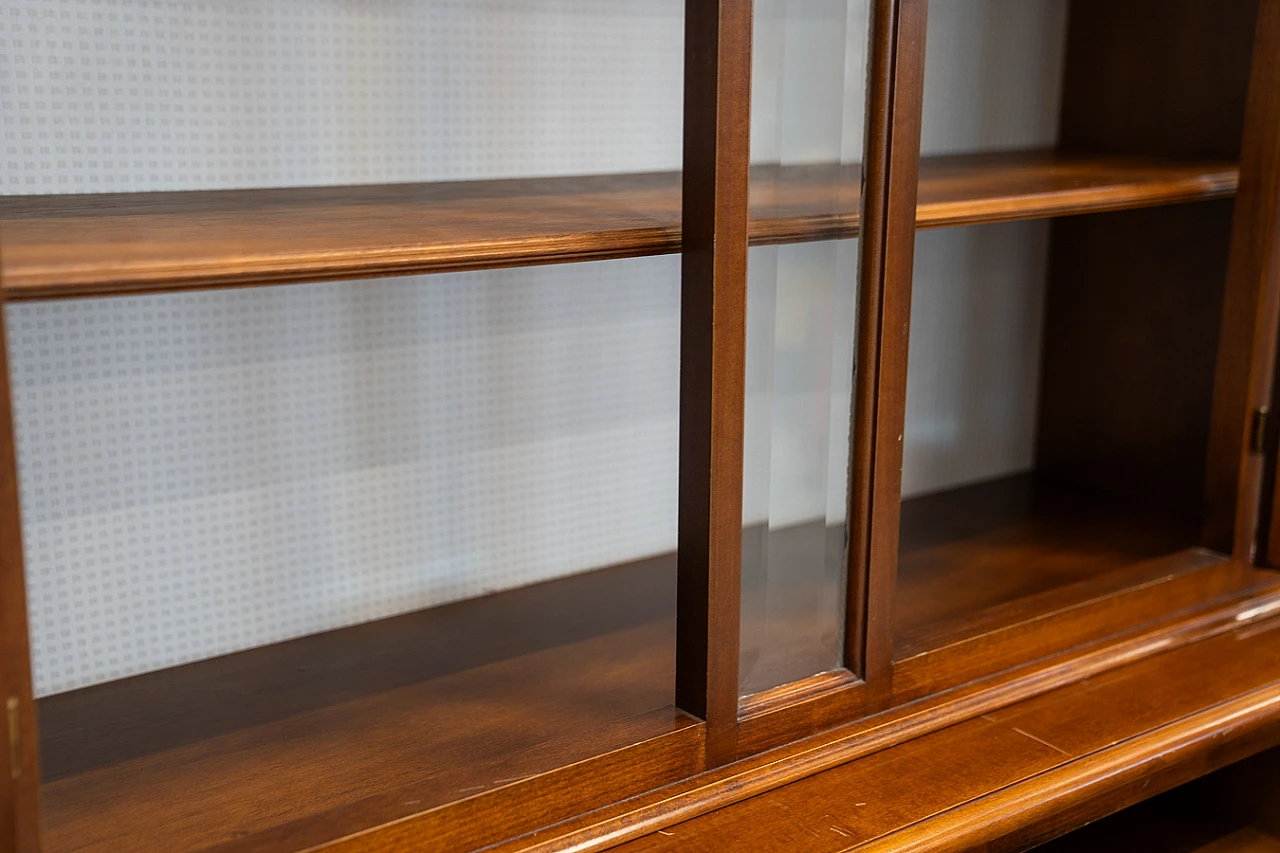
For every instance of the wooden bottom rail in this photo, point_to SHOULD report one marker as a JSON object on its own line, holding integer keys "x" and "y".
{"x": 460, "y": 721}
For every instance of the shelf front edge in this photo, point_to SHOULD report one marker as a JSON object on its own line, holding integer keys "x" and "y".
{"x": 59, "y": 247}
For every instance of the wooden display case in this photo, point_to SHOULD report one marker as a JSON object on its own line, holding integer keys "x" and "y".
{"x": 603, "y": 709}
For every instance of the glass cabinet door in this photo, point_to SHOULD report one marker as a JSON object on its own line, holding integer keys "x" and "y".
{"x": 1064, "y": 330}
{"x": 808, "y": 93}
{"x": 331, "y": 548}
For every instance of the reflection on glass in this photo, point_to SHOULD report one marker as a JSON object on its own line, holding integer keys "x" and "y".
{"x": 308, "y": 558}
{"x": 807, "y": 109}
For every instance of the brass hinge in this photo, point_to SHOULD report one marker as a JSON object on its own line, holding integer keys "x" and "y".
{"x": 15, "y": 737}
{"x": 1258, "y": 431}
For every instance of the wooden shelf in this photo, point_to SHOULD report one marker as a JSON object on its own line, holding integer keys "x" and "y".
{"x": 1016, "y": 774}
{"x": 979, "y": 558}
{"x": 435, "y": 706}
{"x": 1230, "y": 811}
{"x": 415, "y": 711}
{"x": 84, "y": 245}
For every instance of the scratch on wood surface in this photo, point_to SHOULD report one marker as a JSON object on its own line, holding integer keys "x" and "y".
{"x": 838, "y": 831}
{"x": 771, "y": 801}
{"x": 1041, "y": 740}
{"x": 786, "y": 808}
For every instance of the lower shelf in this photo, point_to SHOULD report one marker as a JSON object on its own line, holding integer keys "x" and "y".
{"x": 294, "y": 744}
{"x": 304, "y": 741}
{"x": 982, "y": 557}
{"x": 1234, "y": 810}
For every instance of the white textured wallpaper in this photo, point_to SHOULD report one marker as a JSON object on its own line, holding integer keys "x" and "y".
{"x": 211, "y": 471}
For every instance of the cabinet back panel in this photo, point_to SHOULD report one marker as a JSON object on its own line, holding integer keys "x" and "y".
{"x": 1163, "y": 77}
{"x": 1130, "y": 342}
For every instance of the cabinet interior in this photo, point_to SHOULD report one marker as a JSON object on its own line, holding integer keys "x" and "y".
{"x": 1113, "y": 235}
{"x": 1100, "y": 409}
{"x": 1233, "y": 810}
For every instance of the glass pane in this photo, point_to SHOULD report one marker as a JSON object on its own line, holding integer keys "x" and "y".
{"x": 806, "y": 138}
{"x": 977, "y": 310}
{"x": 308, "y": 558}
{"x": 1018, "y": 341}
{"x": 292, "y": 550}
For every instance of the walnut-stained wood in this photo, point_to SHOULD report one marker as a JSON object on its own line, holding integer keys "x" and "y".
{"x": 1246, "y": 794}
{"x": 998, "y": 572}
{"x": 1001, "y": 186}
{"x": 1132, "y": 315}
{"x": 1053, "y": 661}
{"x": 79, "y": 245}
{"x": 480, "y": 707}
{"x": 1071, "y": 617}
{"x": 1234, "y": 499}
{"x": 852, "y": 741}
{"x": 967, "y": 550}
{"x": 1166, "y": 78}
{"x": 458, "y": 718}
{"x": 1005, "y": 779}
{"x": 1232, "y": 810}
{"x": 1157, "y": 77}
{"x": 713, "y": 342}
{"x": 1017, "y": 568}
{"x": 564, "y": 671}
{"x": 19, "y": 764}
{"x": 893, "y": 122}
{"x": 1249, "y": 315}
{"x": 1208, "y": 815}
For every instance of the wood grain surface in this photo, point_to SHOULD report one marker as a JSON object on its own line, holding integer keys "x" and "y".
{"x": 1204, "y": 816}
{"x": 1002, "y": 779}
{"x": 1166, "y": 78}
{"x": 888, "y": 253}
{"x": 444, "y": 707}
{"x": 851, "y": 741}
{"x": 969, "y": 549}
{"x": 297, "y": 743}
{"x": 79, "y": 245}
{"x": 713, "y": 345}
{"x": 1003, "y": 572}
{"x": 1239, "y": 490}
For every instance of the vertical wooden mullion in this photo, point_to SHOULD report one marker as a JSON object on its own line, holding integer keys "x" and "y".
{"x": 895, "y": 93}
{"x": 1246, "y": 362}
{"x": 19, "y": 773}
{"x": 717, "y": 100}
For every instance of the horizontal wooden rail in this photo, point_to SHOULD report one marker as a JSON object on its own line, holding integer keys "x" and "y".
{"x": 86, "y": 245}
{"x": 1171, "y": 709}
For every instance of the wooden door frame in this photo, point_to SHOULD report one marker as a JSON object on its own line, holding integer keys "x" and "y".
{"x": 872, "y": 680}
{"x": 19, "y": 771}
{"x": 891, "y": 159}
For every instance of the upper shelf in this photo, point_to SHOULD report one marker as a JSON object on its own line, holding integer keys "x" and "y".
{"x": 84, "y": 245}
